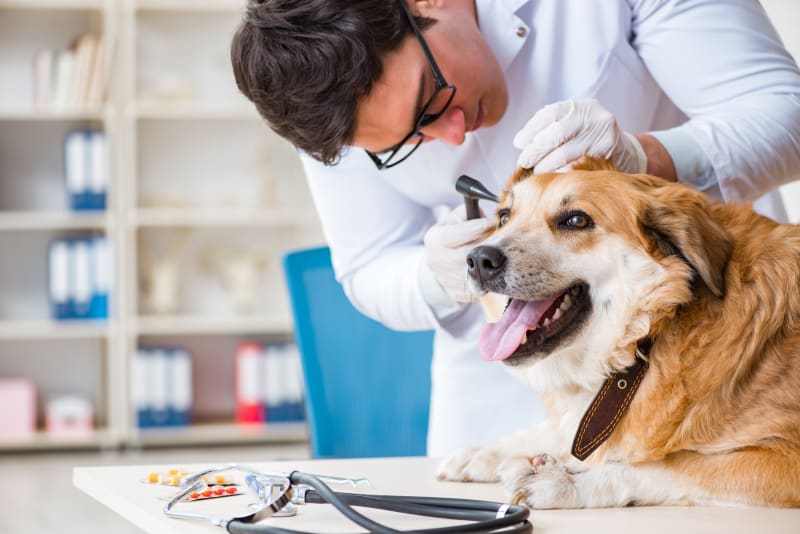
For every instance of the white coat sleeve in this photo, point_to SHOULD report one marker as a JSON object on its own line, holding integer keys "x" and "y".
{"x": 722, "y": 63}
{"x": 375, "y": 235}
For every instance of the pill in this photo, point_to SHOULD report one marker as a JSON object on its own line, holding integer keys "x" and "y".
{"x": 230, "y": 490}
{"x": 152, "y": 478}
{"x": 207, "y": 493}
{"x": 172, "y": 472}
{"x": 194, "y": 495}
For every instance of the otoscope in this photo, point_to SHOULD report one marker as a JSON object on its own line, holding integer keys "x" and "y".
{"x": 473, "y": 191}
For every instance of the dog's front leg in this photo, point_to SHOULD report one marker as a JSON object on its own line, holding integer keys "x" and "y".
{"x": 480, "y": 464}
{"x": 755, "y": 475}
{"x": 545, "y": 482}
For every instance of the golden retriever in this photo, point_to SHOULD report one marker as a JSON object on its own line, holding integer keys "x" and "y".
{"x": 594, "y": 262}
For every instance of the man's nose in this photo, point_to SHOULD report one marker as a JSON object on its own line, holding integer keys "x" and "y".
{"x": 450, "y": 127}
{"x": 485, "y": 263}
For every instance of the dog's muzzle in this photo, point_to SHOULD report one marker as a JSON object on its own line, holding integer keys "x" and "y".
{"x": 486, "y": 263}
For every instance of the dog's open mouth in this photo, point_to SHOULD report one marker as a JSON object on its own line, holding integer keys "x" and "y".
{"x": 535, "y": 326}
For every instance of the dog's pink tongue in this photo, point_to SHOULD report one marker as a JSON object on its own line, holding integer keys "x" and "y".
{"x": 499, "y": 340}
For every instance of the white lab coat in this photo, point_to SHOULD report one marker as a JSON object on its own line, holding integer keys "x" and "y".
{"x": 652, "y": 63}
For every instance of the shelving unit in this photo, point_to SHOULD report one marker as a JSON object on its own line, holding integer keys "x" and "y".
{"x": 190, "y": 161}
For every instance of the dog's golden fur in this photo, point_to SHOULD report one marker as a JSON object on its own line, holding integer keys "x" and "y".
{"x": 718, "y": 412}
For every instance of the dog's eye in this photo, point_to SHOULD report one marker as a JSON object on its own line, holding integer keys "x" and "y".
{"x": 576, "y": 220}
{"x": 502, "y": 217}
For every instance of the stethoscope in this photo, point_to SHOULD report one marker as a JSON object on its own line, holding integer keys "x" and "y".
{"x": 279, "y": 493}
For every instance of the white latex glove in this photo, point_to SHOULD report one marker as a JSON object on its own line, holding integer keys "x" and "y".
{"x": 560, "y": 134}
{"x": 447, "y": 244}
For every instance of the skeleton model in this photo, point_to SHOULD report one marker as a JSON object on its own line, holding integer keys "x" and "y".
{"x": 160, "y": 281}
{"x": 239, "y": 271}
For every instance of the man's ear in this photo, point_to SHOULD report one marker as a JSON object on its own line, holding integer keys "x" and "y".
{"x": 678, "y": 220}
{"x": 586, "y": 163}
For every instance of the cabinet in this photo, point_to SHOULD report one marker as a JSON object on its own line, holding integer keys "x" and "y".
{"x": 198, "y": 184}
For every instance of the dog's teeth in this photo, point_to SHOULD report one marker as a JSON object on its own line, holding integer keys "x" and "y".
{"x": 524, "y": 339}
{"x": 546, "y": 322}
{"x": 557, "y": 314}
{"x": 566, "y": 303}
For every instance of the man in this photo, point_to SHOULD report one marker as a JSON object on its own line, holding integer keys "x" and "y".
{"x": 702, "y": 92}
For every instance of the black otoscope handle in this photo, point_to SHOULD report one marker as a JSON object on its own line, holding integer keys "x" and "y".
{"x": 473, "y": 190}
{"x": 473, "y": 211}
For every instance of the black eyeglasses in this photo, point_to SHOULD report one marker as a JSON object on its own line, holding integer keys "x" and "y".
{"x": 437, "y": 104}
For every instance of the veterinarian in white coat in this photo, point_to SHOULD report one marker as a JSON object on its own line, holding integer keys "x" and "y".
{"x": 709, "y": 79}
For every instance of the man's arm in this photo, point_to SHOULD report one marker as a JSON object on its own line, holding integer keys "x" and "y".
{"x": 723, "y": 64}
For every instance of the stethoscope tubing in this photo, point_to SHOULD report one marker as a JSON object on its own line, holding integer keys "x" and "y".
{"x": 482, "y": 513}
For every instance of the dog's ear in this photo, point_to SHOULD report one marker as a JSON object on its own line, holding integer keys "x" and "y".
{"x": 586, "y": 163}
{"x": 679, "y": 221}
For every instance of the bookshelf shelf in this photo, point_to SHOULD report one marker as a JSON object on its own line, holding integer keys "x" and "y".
{"x": 50, "y": 115}
{"x": 199, "y": 110}
{"x": 199, "y": 6}
{"x": 223, "y": 433}
{"x": 53, "y": 5}
{"x": 218, "y": 218}
{"x": 32, "y": 329}
{"x": 41, "y": 440}
{"x": 192, "y": 325}
{"x": 52, "y": 220}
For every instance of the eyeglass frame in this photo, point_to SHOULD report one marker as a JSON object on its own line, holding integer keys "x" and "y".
{"x": 423, "y": 119}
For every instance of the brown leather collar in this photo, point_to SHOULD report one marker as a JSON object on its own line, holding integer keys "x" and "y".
{"x": 609, "y": 405}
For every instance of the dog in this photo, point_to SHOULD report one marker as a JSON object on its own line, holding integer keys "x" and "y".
{"x": 603, "y": 272}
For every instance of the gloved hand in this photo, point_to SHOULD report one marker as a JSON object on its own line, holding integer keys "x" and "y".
{"x": 447, "y": 244}
{"x": 560, "y": 134}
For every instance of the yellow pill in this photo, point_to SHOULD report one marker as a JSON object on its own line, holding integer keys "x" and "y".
{"x": 184, "y": 473}
{"x": 152, "y": 478}
{"x": 220, "y": 479}
{"x": 205, "y": 479}
{"x": 173, "y": 472}
{"x": 174, "y": 480}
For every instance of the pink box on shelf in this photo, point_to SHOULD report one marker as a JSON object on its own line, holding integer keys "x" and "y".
{"x": 17, "y": 409}
{"x": 69, "y": 417}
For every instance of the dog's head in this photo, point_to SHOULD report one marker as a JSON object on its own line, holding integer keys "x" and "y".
{"x": 592, "y": 261}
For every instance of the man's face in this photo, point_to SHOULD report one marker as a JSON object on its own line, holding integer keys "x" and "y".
{"x": 388, "y": 113}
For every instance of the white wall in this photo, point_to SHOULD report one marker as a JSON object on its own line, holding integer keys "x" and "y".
{"x": 785, "y": 15}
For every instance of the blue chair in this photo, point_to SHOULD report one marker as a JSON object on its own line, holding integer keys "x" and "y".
{"x": 367, "y": 387}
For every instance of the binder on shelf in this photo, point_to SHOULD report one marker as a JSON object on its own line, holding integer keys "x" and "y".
{"x": 79, "y": 278}
{"x": 158, "y": 382}
{"x": 249, "y": 405}
{"x": 80, "y": 282}
{"x": 76, "y": 172}
{"x": 180, "y": 390}
{"x": 161, "y": 387}
{"x": 86, "y": 169}
{"x": 97, "y": 182}
{"x": 283, "y": 383}
{"x": 59, "y": 279}
{"x": 100, "y": 277}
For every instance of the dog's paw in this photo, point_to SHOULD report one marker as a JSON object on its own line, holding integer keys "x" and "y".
{"x": 539, "y": 482}
{"x": 472, "y": 464}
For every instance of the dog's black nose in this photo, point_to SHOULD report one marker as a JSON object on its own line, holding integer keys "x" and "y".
{"x": 485, "y": 263}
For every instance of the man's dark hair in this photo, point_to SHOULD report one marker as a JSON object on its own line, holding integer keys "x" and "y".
{"x": 306, "y": 63}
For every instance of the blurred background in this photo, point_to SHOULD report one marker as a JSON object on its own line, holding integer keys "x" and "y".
{"x": 144, "y": 212}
